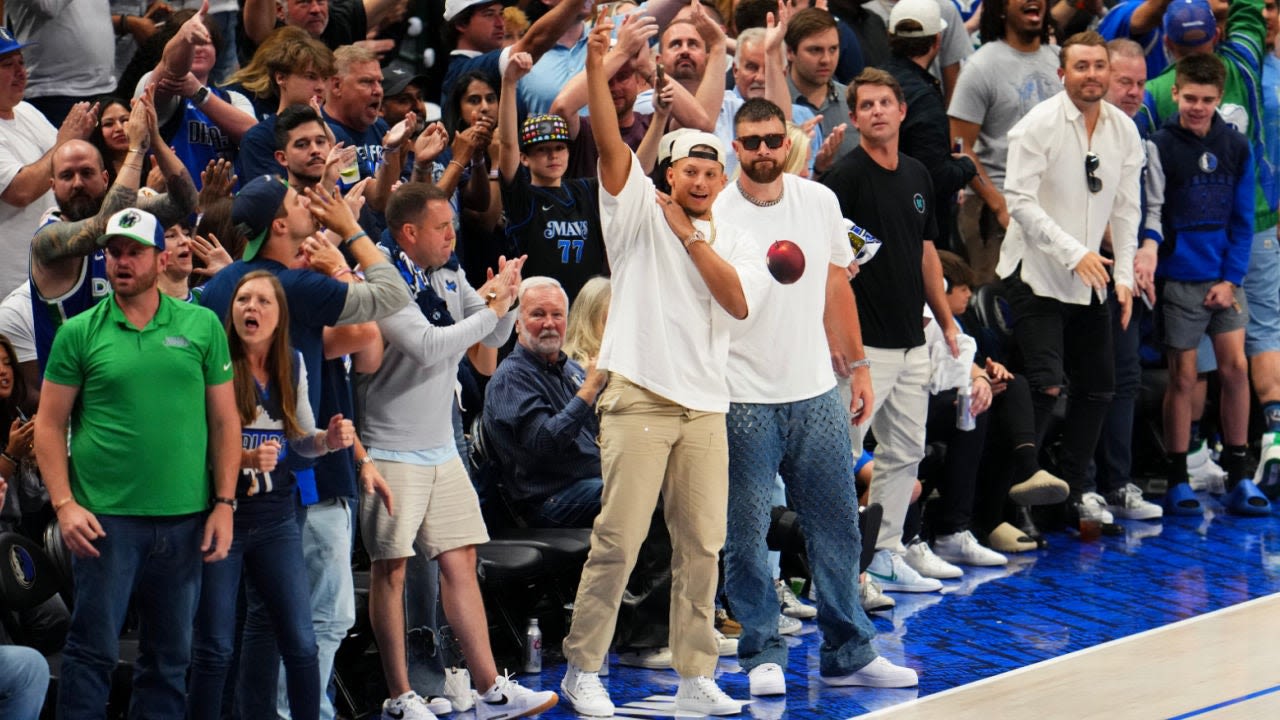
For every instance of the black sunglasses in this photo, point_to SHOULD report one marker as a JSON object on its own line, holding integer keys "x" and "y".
{"x": 1091, "y": 163}
{"x": 752, "y": 142}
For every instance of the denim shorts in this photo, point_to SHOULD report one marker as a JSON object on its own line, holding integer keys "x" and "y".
{"x": 1262, "y": 288}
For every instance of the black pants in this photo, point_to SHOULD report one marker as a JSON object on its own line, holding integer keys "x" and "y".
{"x": 1069, "y": 347}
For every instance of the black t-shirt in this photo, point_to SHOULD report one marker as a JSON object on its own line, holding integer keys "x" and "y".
{"x": 894, "y": 206}
{"x": 347, "y": 24}
{"x": 558, "y": 228}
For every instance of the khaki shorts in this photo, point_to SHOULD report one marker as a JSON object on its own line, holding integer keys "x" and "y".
{"x": 436, "y": 506}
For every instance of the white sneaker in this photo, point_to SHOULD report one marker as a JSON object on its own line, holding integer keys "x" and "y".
{"x": 767, "y": 679}
{"x": 1127, "y": 502}
{"x": 508, "y": 699}
{"x": 1092, "y": 504}
{"x": 894, "y": 574}
{"x": 789, "y": 625}
{"x": 727, "y": 645}
{"x": 585, "y": 693}
{"x": 409, "y": 706}
{"x": 457, "y": 688}
{"x": 922, "y": 559}
{"x": 878, "y": 673}
{"x": 648, "y": 658}
{"x": 791, "y": 605}
{"x": 1267, "y": 476}
{"x": 439, "y": 705}
{"x": 963, "y": 548}
{"x": 1203, "y": 473}
{"x": 702, "y": 695}
{"x": 873, "y": 599}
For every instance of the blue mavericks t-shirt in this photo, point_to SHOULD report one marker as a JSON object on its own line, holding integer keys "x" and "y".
{"x": 258, "y": 151}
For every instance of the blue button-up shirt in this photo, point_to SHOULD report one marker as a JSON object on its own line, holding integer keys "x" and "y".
{"x": 544, "y": 434}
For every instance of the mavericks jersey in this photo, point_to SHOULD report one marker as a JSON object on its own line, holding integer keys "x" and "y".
{"x": 49, "y": 314}
{"x": 558, "y": 228}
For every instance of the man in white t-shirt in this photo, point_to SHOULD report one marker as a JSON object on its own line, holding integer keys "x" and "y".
{"x": 662, "y": 415}
{"x": 27, "y": 141}
{"x": 786, "y": 415}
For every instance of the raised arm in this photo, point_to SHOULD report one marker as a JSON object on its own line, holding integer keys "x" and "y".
{"x": 546, "y": 32}
{"x": 710, "y": 93}
{"x": 647, "y": 153}
{"x": 635, "y": 33}
{"x": 32, "y": 181}
{"x": 180, "y": 197}
{"x": 1147, "y": 17}
{"x": 615, "y": 156}
{"x": 776, "y": 90}
{"x": 508, "y": 122}
{"x": 259, "y": 19}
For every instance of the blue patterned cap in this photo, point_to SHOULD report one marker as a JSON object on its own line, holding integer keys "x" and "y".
{"x": 1189, "y": 22}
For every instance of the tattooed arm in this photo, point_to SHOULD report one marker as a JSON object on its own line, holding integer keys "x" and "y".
{"x": 181, "y": 198}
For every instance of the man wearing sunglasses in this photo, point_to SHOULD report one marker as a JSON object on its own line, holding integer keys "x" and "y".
{"x": 1056, "y": 277}
{"x": 780, "y": 378}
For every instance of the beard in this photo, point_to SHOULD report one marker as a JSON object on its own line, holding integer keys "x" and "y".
{"x": 79, "y": 207}
{"x": 762, "y": 171}
{"x": 548, "y": 343}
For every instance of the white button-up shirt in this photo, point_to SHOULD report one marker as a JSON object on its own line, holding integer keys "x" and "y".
{"x": 1054, "y": 219}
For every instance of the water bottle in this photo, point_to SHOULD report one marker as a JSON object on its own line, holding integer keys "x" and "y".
{"x": 964, "y": 404}
{"x": 533, "y": 647}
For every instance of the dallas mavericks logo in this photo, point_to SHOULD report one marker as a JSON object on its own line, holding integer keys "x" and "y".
{"x": 918, "y": 201}
{"x": 129, "y": 219}
{"x": 1208, "y": 162}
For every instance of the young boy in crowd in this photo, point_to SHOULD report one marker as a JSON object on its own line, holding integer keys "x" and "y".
{"x": 1208, "y": 229}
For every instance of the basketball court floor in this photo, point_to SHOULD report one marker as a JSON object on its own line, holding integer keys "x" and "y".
{"x": 1174, "y": 619}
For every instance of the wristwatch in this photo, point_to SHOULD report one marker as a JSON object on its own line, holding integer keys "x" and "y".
{"x": 201, "y": 96}
{"x": 863, "y": 363}
{"x": 695, "y": 237}
{"x": 226, "y": 501}
{"x": 366, "y": 460}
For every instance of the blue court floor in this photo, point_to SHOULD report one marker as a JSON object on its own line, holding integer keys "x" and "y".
{"x": 1068, "y": 597}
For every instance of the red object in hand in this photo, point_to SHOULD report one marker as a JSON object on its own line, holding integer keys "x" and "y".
{"x": 786, "y": 261}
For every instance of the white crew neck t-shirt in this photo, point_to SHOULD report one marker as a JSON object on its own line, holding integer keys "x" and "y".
{"x": 780, "y": 354}
{"x": 666, "y": 333}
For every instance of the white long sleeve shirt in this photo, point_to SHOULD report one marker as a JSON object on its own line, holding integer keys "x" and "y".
{"x": 1054, "y": 219}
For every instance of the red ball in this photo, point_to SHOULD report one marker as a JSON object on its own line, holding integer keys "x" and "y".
{"x": 786, "y": 261}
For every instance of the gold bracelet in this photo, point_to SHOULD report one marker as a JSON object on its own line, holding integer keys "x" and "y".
{"x": 62, "y": 503}
{"x": 461, "y": 167}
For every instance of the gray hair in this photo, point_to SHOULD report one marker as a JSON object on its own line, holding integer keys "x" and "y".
{"x": 750, "y": 36}
{"x": 541, "y": 281}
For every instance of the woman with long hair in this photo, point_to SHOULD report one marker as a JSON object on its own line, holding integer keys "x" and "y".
{"x": 109, "y": 135}
{"x": 586, "y": 322}
{"x": 271, "y": 396}
{"x": 15, "y": 426}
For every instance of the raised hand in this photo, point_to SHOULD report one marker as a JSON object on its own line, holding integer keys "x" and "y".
{"x": 216, "y": 181}
{"x": 519, "y": 65}
{"x": 430, "y": 143}
{"x": 340, "y": 434}
{"x": 211, "y": 254}
{"x": 635, "y": 33}
{"x": 394, "y": 137}
{"x": 79, "y": 123}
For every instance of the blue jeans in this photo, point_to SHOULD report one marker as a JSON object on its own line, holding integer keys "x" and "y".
{"x": 573, "y": 507}
{"x": 157, "y": 561}
{"x": 808, "y": 442}
{"x": 327, "y": 534}
{"x": 267, "y": 548}
{"x": 24, "y": 679}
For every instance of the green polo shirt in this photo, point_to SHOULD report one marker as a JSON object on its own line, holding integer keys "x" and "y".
{"x": 139, "y": 437}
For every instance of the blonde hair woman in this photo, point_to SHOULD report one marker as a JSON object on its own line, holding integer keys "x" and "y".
{"x": 586, "y": 320}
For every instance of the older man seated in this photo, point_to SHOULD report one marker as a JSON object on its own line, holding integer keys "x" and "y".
{"x": 539, "y": 416}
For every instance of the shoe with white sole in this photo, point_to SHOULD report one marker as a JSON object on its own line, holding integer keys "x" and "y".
{"x": 1203, "y": 473}
{"x": 409, "y": 706}
{"x": 1093, "y": 505}
{"x": 922, "y": 559}
{"x": 585, "y": 693}
{"x": 1128, "y": 503}
{"x": 767, "y": 679}
{"x": 878, "y": 673}
{"x": 789, "y": 625}
{"x": 791, "y": 605}
{"x": 1267, "y": 476}
{"x": 702, "y": 695}
{"x": 647, "y": 658}
{"x": 963, "y": 548}
{"x": 508, "y": 699}
{"x": 457, "y": 689}
{"x": 726, "y": 645}
{"x": 873, "y": 599}
{"x": 895, "y": 575}
{"x": 439, "y": 705}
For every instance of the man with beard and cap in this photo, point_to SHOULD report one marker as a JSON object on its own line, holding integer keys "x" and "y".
{"x": 68, "y": 268}
{"x": 786, "y": 415}
{"x": 539, "y": 409}
{"x": 682, "y": 277}
{"x": 1015, "y": 69}
{"x": 1074, "y": 173}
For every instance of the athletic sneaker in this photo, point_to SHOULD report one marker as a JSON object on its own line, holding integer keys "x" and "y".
{"x": 894, "y": 574}
{"x": 767, "y": 679}
{"x": 791, "y": 605}
{"x": 507, "y": 699}
{"x": 648, "y": 658}
{"x": 1267, "y": 476}
{"x": 878, "y": 673}
{"x": 439, "y": 705}
{"x": 585, "y": 693}
{"x": 1091, "y": 504}
{"x": 727, "y": 645}
{"x": 873, "y": 598}
{"x": 1128, "y": 503}
{"x": 457, "y": 688}
{"x": 922, "y": 559}
{"x": 702, "y": 695}
{"x": 409, "y": 706}
{"x": 789, "y": 625}
{"x": 1203, "y": 473}
{"x": 963, "y": 548}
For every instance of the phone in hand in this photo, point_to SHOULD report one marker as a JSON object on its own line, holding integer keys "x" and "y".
{"x": 659, "y": 77}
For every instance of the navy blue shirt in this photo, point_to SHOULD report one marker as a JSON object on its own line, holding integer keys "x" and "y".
{"x": 542, "y": 431}
{"x": 258, "y": 151}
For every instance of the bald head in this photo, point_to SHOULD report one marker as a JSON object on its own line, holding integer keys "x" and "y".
{"x": 79, "y": 179}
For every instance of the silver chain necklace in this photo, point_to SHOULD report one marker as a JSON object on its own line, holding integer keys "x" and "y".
{"x": 754, "y": 201}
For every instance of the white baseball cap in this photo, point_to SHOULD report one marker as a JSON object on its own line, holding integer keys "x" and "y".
{"x": 925, "y": 12}
{"x": 452, "y": 8}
